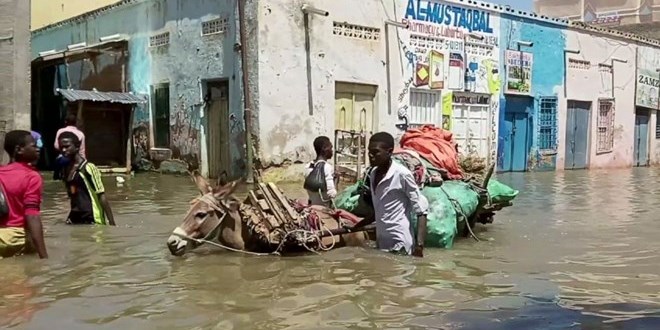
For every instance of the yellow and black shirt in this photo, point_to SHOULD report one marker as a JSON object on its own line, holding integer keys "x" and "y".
{"x": 83, "y": 190}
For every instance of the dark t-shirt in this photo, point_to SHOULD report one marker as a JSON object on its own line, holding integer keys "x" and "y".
{"x": 83, "y": 192}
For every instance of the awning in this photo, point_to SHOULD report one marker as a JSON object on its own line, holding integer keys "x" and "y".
{"x": 74, "y": 95}
{"x": 97, "y": 47}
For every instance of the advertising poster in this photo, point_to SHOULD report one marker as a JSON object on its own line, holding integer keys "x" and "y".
{"x": 446, "y": 110}
{"x": 421, "y": 75}
{"x": 437, "y": 68}
{"x": 518, "y": 72}
{"x": 455, "y": 77}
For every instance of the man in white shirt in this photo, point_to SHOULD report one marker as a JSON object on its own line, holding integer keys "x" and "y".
{"x": 395, "y": 196}
{"x": 320, "y": 175}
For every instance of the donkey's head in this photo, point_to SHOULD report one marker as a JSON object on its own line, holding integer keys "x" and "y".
{"x": 206, "y": 214}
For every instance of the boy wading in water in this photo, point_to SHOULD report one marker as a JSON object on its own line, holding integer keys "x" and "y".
{"x": 395, "y": 197}
{"x": 20, "y": 224}
{"x": 320, "y": 176}
{"x": 89, "y": 204}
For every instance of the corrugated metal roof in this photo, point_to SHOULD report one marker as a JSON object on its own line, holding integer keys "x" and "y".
{"x": 73, "y": 95}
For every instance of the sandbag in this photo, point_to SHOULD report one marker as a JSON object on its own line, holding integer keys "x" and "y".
{"x": 500, "y": 193}
{"x": 449, "y": 204}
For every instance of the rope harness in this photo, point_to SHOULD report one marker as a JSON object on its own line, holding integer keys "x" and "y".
{"x": 211, "y": 237}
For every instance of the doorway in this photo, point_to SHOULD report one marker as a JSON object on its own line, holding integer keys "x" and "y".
{"x": 218, "y": 128}
{"x": 641, "y": 150}
{"x": 577, "y": 135}
{"x": 470, "y": 123}
{"x": 161, "y": 102}
{"x": 516, "y": 134}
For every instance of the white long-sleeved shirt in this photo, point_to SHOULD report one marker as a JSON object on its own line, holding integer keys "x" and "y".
{"x": 314, "y": 196}
{"x": 396, "y": 197}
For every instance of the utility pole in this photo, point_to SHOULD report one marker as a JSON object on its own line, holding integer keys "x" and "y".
{"x": 247, "y": 101}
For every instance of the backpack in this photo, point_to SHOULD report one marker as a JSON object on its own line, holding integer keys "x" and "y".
{"x": 4, "y": 205}
{"x": 315, "y": 181}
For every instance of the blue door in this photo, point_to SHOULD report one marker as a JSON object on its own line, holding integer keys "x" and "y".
{"x": 577, "y": 135}
{"x": 516, "y": 134}
{"x": 641, "y": 151}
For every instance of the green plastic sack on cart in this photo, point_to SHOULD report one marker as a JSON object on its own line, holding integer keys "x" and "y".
{"x": 500, "y": 193}
{"x": 449, "y": 204}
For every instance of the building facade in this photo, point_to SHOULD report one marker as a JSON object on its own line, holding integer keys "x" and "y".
{"x": 522, "y": 91}
{"x": 601, "y": 12}
{"x": 14, "y": 67}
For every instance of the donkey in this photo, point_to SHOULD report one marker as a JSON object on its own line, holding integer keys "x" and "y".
{"x": 215, "y": 216}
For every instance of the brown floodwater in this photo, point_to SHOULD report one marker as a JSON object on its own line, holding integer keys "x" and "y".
{"x": 578, "y": 250}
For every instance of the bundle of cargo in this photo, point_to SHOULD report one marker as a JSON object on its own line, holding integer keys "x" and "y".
{"x": 456, "y": 203}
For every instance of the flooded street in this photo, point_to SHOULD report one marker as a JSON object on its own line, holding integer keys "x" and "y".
{"x": 578, "y": 250}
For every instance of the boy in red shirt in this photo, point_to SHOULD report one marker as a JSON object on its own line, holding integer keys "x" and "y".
{"x": 22, "y": 186}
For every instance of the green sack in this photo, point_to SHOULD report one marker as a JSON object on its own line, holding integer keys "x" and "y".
{"x": 350, "y": 200}
{"x": 449, "y": 204}
{"x": 500, "y": 193}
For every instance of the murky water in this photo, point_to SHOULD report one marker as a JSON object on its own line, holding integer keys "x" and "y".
{"x": 579, "y": 250}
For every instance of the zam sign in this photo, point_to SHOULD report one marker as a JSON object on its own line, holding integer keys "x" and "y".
{"x": 646, "y": 80}
{"x": 473, "y": 20}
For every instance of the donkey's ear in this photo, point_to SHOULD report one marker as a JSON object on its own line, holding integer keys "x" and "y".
{"x": 201, "y": 183}
{"x": 227, "y": 189}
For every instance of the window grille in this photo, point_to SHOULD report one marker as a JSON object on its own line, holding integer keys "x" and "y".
{"x": 158, "y": 40}
{"x": 605, "y": 125}
{"x": 548, "y": 123}
{"x": 355, "y": 31}
{"x": 425, "y": 108}
{"x": 215, "y": 26}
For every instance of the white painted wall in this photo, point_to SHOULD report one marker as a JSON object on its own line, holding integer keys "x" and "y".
{"x": 592, "y": 84}
{"x": 648, "y": 61}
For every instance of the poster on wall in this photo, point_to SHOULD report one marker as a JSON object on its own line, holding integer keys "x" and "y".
{"x": 437, "y": 68}
{"x": 518, "y": 72}
{"x": 455, "y": 75}
{"x": 647, "y": 85}
{"x": 446, "y": 110}
{"x": 421, "y": 75}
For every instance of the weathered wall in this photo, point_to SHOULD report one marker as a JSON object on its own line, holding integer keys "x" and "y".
{"x": 46, "y": 12}
{"x": 547, "y": 72}
{"x": 185, "y": 63}
{"x": 14, "y": 66}
{"x": 593, "y": 81}
{"x": 286, "y": 127}
{"x": 648, "y": 92}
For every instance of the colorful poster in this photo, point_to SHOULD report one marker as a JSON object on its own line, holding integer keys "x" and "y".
{"x": 455, "y": 77}
{"x": 446, "y": 110}
{"x": 518, "y": 72}
{"x": 437, "y": 68}
{"x": 647, "y": 89}
{"x": 421, "y": 75}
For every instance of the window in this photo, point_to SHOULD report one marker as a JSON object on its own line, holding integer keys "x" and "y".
{"x": 215, "y": 26}
{"x": 159, "y": 39}
{"x": 425, "y": 107}
{"x": 161, "y": 110}
{"x": 657, "y": 127}
{"x": 605, "y": 125}
{"x": 548, "y": 123}
{"x": 355, "y": 31}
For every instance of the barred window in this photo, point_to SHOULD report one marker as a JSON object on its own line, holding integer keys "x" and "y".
{"x": 605, "y": 125}
{"x": 215, "y": 26}
{"x": 425, "y": 108}
{"x": 159, "y": 39}
{"x": 548, "y": 123}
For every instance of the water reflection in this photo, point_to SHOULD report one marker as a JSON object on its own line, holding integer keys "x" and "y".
{"x": 577, "y": 251}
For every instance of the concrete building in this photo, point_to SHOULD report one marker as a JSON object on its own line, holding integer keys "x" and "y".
{"x": 510, "y": 85}
{"x": 47, "y": 12}
{"x": 601, "y": 12}
{"x": 14, "y": 67}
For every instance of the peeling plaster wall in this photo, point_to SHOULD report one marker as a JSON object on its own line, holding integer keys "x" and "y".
{"x": 186, "y": 63}
{"x": 546, "y": 77}
{"x": 594, "y": 83}
{"x": 286, "y": 126}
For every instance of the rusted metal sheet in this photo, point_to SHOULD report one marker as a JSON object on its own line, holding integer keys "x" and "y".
{"x": 73, "y": 95}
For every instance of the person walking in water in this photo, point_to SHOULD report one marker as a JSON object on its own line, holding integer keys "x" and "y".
{"x": 395, "y": 196}
{"x": 21, "y": 229}
{"x": 89, "y": 204}
{"x": 70, "y": 126}
{"x": 319, "y": 174}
